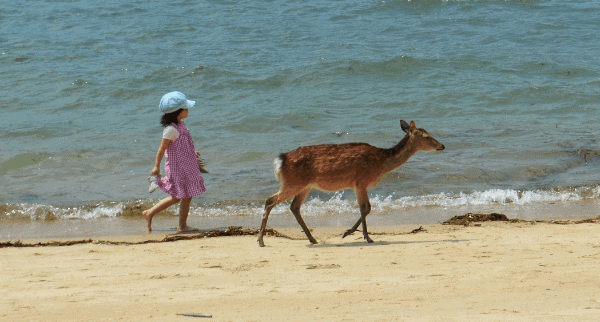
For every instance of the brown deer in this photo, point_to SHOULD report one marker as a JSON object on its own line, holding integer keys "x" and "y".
{"x": 333, "y": 167}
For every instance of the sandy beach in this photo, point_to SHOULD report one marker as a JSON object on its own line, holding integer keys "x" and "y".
{"x": 499, "y": 271}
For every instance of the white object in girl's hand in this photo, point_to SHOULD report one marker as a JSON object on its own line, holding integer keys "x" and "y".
{"x": 202, "y": 165}
{"x": 152, "y": 185}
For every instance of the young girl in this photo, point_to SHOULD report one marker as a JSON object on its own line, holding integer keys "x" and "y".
{"x": 182, "y": 180}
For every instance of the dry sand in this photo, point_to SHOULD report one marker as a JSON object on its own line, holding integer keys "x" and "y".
{"x": 497, "y": 272}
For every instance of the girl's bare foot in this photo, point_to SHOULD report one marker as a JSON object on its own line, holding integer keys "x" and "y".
{"x": 186, "y": 229}
{"x": 148, "y": 219}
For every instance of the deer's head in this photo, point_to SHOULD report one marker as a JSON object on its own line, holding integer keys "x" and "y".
{"x": 420, "y": 138}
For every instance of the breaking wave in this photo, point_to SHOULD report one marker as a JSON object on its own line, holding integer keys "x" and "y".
{"x": 340, "y": 203}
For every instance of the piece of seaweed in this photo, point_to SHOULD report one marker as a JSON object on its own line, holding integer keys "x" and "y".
{"x": 467, "y": 219}
{"x": 231, "y": 231}
{"x": 470, "y": 217}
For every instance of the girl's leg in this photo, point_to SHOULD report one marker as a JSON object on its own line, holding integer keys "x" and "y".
{"x": 184, "y": 209}
{"x": 160, "y": 206}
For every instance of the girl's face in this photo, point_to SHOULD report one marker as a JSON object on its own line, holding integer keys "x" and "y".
{"x": 182, "y": 115}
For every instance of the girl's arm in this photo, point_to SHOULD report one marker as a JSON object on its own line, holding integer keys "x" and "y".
{"x": 164, "y": 144}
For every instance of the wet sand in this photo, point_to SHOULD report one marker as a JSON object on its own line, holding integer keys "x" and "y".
{"x": 498, "y": 271}
{"x": 133, "y": 224}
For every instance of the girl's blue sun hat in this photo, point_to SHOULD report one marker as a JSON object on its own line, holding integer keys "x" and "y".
{"x": 173, "y": 101}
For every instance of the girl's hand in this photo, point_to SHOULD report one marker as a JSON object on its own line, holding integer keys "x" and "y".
{"x": 164, "y": 144}
{"x": 201, "y": 163}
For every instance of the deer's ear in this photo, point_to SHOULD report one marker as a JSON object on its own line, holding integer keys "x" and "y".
{"x": 413, "y": 126}
{"x": 405, "y": 127}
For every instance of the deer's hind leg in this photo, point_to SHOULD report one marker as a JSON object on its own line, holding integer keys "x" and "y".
{"x": 296, "y": 203}
{"x": 281, "y": 196}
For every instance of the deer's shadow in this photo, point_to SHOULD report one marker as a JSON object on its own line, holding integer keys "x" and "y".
{"x": 385, "y": 243}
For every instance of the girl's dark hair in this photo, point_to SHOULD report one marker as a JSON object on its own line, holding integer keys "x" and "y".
{"x": 170, "y": 118}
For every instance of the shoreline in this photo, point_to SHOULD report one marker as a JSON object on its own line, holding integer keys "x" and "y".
{"x": 169, "y": 235}
{"x": 133, "y": 225}
{"x": 510, "y": 271}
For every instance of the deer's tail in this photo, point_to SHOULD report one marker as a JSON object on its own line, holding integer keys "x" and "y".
{"x": 277, "y": 165}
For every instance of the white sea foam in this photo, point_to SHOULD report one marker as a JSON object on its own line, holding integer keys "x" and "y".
{"x": 338, "y": 204}
{"x": 95, "y": 213}
{"x": 51, "y": 212}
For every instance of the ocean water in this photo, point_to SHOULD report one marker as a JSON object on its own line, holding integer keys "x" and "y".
{"x": 510, "y": 87}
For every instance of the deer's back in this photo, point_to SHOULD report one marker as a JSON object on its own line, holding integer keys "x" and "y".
{"x": 333, "y": 166}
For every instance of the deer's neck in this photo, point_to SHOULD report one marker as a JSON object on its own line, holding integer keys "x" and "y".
{"x": 399, "y": 154}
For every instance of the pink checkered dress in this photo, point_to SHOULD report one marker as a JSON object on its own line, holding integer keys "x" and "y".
{"x": 183, "y": 177}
